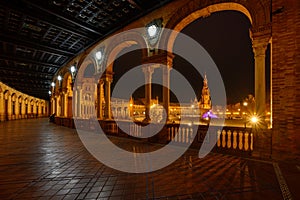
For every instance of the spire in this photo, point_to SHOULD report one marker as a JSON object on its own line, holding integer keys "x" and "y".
{"x": 205, "y": 102}
{"x": 205, "y": 81}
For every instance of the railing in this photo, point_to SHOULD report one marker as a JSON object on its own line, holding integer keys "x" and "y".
{"x": 235, "y": 138}
{"x": 228, "y": 138}
{"x": 232, "y": 140}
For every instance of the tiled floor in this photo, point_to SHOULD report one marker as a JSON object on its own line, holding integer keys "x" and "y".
{"x": 39, "y": 160}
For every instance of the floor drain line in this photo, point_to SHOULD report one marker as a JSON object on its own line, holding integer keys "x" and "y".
{"x": 286, "y": 194}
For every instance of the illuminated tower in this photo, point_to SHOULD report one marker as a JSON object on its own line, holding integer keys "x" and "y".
{"x": 205, "y": 101}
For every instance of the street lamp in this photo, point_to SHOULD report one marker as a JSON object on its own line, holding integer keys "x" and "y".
{"x": 254, "y": 119}
{"x": 59, "y": 78}
{"x": 98, "y": 55}
{"x": 99, "y": 58}
{"x": 152, "y": 30}
{"x": 73, "y": 73}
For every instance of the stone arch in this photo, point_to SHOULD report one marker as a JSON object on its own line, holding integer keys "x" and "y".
{"x": 20, "y": 98}
{"x": 87, "y": 62}
{"x": 14, "y": 97}
{"x": 257, "y": 12}
{"x": 65, "y": 81}
{"x": 6, "y": 94}
{"x": 118, "y": 44}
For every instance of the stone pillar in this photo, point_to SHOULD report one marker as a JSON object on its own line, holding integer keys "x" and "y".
{"x": 17, "y": 112}
{"x": 107, "y": 111}
{"x": 9, "y": 110}
{"x": 2, "y": 107}
{"x": 57, "y": 107}
{"x": 74, "y": 102}
{"x": 65, "y": 104}
{"x": 78, "y": 106}
{"x": 34, "y": 108}
{"x": 100, "y": 92}
{"x": 166, "y": 88}
{"x": 23, "y": 112}
{"x": 148, "y": 71}
{"x": 259, "y": 49}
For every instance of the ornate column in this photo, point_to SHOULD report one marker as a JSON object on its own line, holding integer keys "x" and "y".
{"x": 9, "y": 107}
{"x": 78, "y": 105}
{"x": 74, "y": 102}
{"x": 57, "y": 110}
{"x": 65, "y": 103}
{"x": 107, "y": 83}
{"x": 23, "y": 109}
{"x": 17, "y": 110}
{"x": 148, "y": 71}
{"x": 34, "y": 108}
{"x": 100, "y": 95}
{"x": 259, "y": 49}
{"x": 166, "y": 83}
{"x": 1, "y": 106}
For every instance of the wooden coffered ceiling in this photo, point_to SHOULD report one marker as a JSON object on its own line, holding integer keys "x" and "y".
{"x": 37, "y": 37}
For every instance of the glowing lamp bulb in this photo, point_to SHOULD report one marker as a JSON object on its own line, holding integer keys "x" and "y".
{"x": 99, "y": 55}
{"x": 152, "y": 30}
{"x": 73, "y": 69}
{"x": 254, "y": 119}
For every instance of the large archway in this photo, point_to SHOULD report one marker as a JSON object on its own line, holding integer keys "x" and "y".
{"x": 260, "y": 34}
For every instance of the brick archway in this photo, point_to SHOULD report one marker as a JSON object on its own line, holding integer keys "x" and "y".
{"x": 257, "y": 12}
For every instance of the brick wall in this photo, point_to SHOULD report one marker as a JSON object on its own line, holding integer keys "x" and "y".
{"x": 286, "y": 80}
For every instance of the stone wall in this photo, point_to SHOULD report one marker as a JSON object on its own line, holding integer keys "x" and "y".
{"x": 286, "y": 81}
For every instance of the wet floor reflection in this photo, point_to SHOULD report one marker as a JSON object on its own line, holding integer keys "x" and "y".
{"x": 41, "y": 160}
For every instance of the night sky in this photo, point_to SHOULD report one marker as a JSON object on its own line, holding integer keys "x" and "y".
{"x": 225, "y": 36}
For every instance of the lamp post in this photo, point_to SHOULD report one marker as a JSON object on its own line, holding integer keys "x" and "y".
{"x": 73, "y": 74}
{"x": 99, "y": 58}
{"x": 59, "y": 78}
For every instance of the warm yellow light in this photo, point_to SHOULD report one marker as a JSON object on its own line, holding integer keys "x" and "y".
{"x": 245, "y": 104}
{"x": 254, "y": 119}
{"x": 239, "y": 109}
{"x": 131, "y": 105}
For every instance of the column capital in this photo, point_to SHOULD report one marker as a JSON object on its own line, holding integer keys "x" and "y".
{"x": 148, "y": 70}
{"x": 259, "y": 50}
{"x": 163, "y": 58}
{"x": 107, "y": 77}
{"x": 260, "y": 44}
{"x": 101, "y": 81}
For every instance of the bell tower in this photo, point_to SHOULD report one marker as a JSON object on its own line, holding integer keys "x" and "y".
{"x": 205, "y": 101}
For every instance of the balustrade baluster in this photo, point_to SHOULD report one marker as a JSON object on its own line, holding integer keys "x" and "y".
{"x": 229, "y": 139}
{"x": 223, "y": 138}
{"x": 234, "y": 140}
{"x": 219, "y": 138}
{"x": 240, "y": 140}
